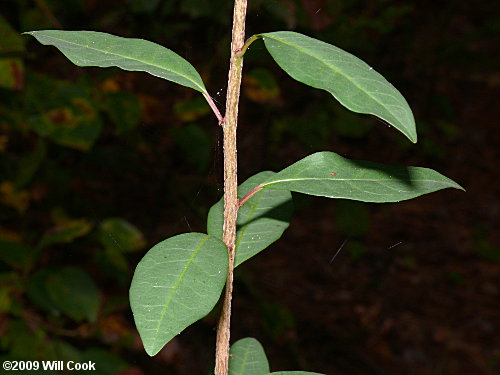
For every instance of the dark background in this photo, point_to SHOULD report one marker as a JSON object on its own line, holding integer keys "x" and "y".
{"x": 414, "y": 288}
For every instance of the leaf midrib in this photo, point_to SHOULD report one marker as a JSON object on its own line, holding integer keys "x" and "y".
{"x": 337, "y": 70}
{"x": 202, "y": 89}
{"x": 341, "y": 179}
{"x": 242, "y": 368}
{"x": 174, "y": 288}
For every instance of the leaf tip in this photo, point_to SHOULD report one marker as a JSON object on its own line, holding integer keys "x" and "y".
{"x": 151, "y": 351}
{"x": 412, "y": 136}
{"x": 151, "y": 346}
{"x": 453, "y": 184}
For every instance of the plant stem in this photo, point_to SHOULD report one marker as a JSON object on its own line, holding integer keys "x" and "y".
{"x": 230, "y": 180}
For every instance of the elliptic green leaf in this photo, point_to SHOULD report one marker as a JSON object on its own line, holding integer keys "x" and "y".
{"x": 62, "y": 112}
{"x": 247, "y": 357}
{"x": 351, "y": 81}
{"x": 38, "y": 293}
{"x": 330, "y": 175}
{"x": 119, "y": 234}
{"x": 177, "y": 283}
{"x": 261, "y": 220}
{"x": 66, "y": 232}
{"x": 16, "y": 254}
{"x": 91, "y": 48}
{"x": 73, "y": 291}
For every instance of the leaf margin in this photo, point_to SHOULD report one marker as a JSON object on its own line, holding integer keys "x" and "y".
{"x": 135, "y": 293}
{"x": 409, "y": 130}
{"x": 42, "y": 37}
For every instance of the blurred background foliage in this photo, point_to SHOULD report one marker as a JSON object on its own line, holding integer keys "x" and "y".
{"x": 97, "y": 165}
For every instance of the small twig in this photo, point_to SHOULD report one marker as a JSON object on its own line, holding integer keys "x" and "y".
{"x": 243, "y": 49}
{"x": 338, "y": 251}
{"x": 34, "y": 321}
{"x": 393, "y": 246}
{"x": 249, "y": 195}
{"x": 214, "y": 108}
{"x": 48, "y": 13}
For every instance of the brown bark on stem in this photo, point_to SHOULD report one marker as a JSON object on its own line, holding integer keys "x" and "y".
{"x": 230, "y": 180}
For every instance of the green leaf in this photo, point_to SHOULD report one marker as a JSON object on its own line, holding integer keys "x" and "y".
{"x": 25, "y": 342}
{"x": 261, "y": 220}
{"x": 29, "y": 164}
{"x": 294, "y": 373}
{"x": 38, "y": 293}
{"x": 66, "y": 232}
{"x": 16, "y": 254}
{"x": 91, "y": 48}
{"x": 74, "y": 292}
{"x": 351, "y": 81}
{"x": 65, "y": 113}
{"x": 76, "y": 125}
{"x": 330, "y": 175}
{"x": 177, "y": 283}
{"x": 247, "y": 357}
{"x": 116, "y": 233}
{"x": 11, "y": 73}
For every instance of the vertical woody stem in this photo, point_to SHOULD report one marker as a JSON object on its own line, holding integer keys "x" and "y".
{"x": 230, "y": 179}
